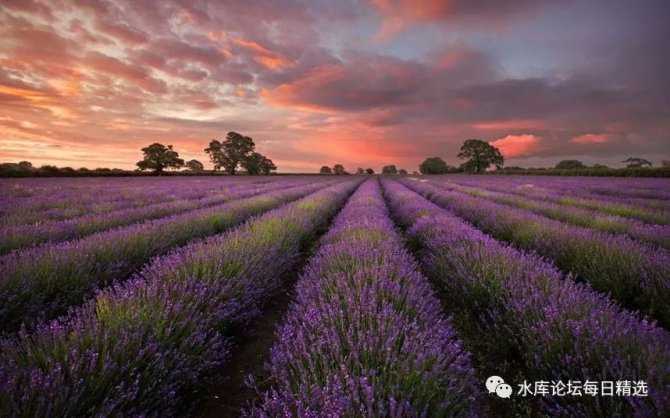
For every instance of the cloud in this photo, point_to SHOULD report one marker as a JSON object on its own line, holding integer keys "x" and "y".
{"x": 514, "y": 146}
{"x": 590, "y": 139}
{"x": 398, "y": 15}
{"x": 309, "y": 82}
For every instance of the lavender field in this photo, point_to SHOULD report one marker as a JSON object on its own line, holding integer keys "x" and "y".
{"x": 335, "y": 296}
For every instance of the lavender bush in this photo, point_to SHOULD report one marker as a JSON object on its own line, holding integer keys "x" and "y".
{"x": 366, "y": 336}
{"x": 651, "y": 233}
{"x": 634, "y": 274}
{"x": 574, "y": 193}
{"x": 42, "y": 282}
{"x": 144, "y": 346}
{"x": 36, "y": 200}
{"x": 19, "y": 236}
{"x": 526, "y": 320}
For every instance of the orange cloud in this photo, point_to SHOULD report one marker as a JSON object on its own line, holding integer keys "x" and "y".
{"x": 397, "y": 15}
{"x": 590, "y": 139}
{"x": 303, "y": 93}
{"x": 517, "y": 145}
{"x": 269, "y": 59}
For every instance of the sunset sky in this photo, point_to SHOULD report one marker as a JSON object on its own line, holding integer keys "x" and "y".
{"x": 362, "y": 83}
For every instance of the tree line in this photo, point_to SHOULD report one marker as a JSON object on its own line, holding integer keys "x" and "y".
{"x": 238, "y": 152}
{"x": 235, "y": 152}
{"x": 480, "y": 155}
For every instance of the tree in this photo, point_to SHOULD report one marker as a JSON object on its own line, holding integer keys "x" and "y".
{"x": 634, "y": 162}
{"x": 267, "y": 166}
{"x": 370, "y": 171}
{"x": 230, "y": 153}
{"x": 195, "y": 166}
{"x": 664, "y": 163}
{"x": 158, "y": 157}
{"x": 339, "y": 169}
{"x": 600, "y": 167}
{"x": 389, "y": 169}
{"x": 256, "y": 163}
{"x": 326, "y": 170}
{"x": 433, "y": 165}
{"x": 359, "y": 170}
{"x": 481, "y": 155}
{"x": 570, "y": 165}
{"x": 402, "y": 172}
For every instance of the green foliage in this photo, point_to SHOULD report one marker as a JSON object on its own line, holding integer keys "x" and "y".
{"x": 389, "y": 169}
{"x": 238, "y": 150}
{"x": 158, "y": 157}
{"x": 195, "y": 166}
{"x": 570, "y": 165}
{"x": 481, "y": 155}
{"x": 634, "y": 162}
{"x": 256, "y": 163}
{"x": 339, "y": 169}
{"x": 433, "y": 165}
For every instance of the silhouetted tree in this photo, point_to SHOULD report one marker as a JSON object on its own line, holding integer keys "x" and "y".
{"x": 267, "y": 166}
{"x": 230, "y": 153}
{"x": 339, "y": 169}
{"x": 326, "y": 170}
{"x": 634, "y": 162}
{"x": 370, "y": 171}
{"x": 359, "y": 170}
{"x": 664, "y": 163}
{"x": 256, "y": 163}
{"x": 389, "y": 169}
{"x": 433, "y": 165}
{"x": 195, "y": 166}
{"x": 600, "y": 167}
{"x": 402, "y": 172}
{"x": 570, "y": 165}
{"x": 481, "y": 155}
{"x": 158, "y": 157}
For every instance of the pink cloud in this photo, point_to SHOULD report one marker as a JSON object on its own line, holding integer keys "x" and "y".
{"x": 590, "y": 139}
{"x": 513, "y": 146}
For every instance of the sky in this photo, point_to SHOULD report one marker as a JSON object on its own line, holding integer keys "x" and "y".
{"x": 363, "y": 83}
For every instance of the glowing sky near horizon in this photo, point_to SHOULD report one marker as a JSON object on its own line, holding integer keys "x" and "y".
{"x": 361, "y": 83}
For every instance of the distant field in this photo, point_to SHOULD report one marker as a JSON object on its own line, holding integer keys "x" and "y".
{"x": 333, "y": 296}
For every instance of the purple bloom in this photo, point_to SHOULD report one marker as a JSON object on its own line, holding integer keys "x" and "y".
{"x": 141, "y": 346}
{"x": 526, "y": 319}
{"x": 366, "y": 335}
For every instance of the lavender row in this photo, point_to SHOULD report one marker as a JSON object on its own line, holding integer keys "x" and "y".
{"x": 19, "y": 236}
{"x": 524, "y": 320}
{"x": 365, "y": 336}
{"x": 641, "y": 189}
{"x": 42, "y": 282}
{"x": 60, "y": 199}
{"x": 642, "y": 210}
{"x": 144, "y": 347}
{"x": 635, "y": 274}
{"x": 654, "y": 234}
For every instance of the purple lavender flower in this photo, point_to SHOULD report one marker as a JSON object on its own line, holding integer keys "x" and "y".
{"x": 634, "y": 274}
{"x": 365, "y": 335}
{"x": 524, "y": 318}
{"x": 42, "y": 282}
{"x": 140, "y": 347}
